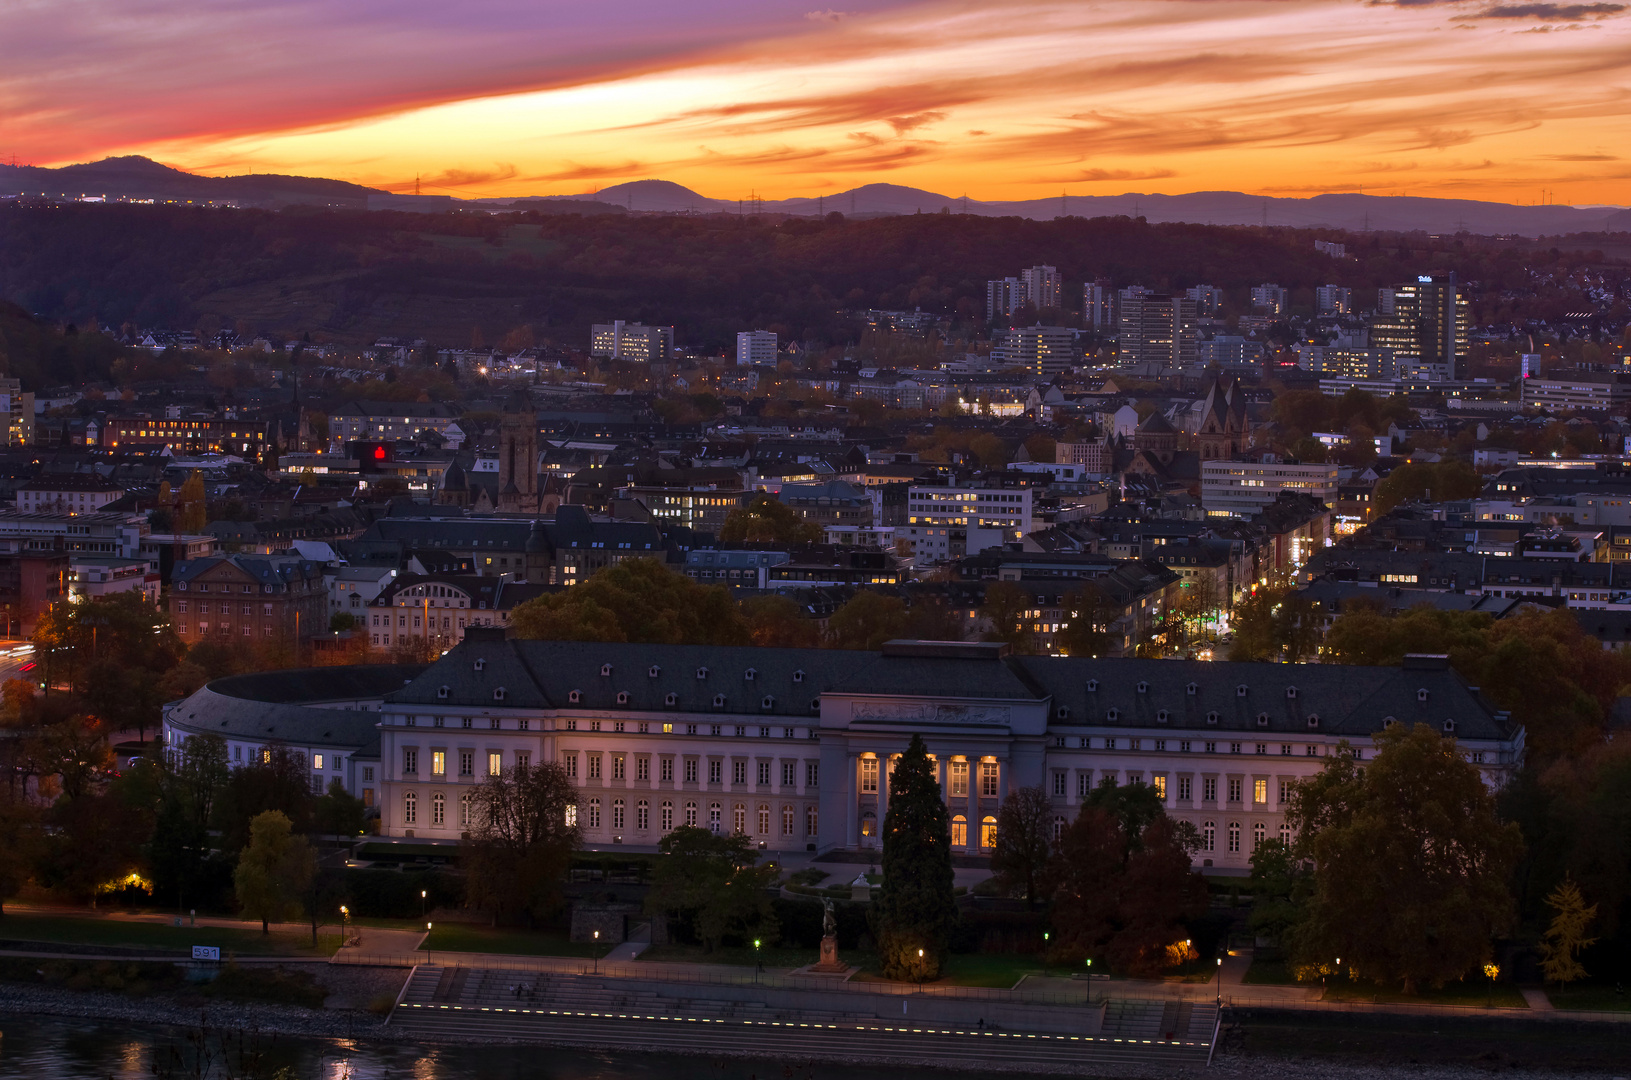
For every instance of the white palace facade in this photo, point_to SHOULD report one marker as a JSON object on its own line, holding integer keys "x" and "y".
{"x": 794, "y": 747}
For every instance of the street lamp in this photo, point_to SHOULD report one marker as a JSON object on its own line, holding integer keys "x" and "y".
{"x": 758, "y": 965}
{"x": 1220, "y": 982}
{"x": 422, "y": 895}
{"x": 345, "y": 925}
{"x": 597, "y": 952}
{"x": 920, "y": 971}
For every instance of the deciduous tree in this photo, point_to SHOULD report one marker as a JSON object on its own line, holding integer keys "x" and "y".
{"x": 636, "y": 600}
{"x": 522, "y": 836}
{"x": 274, "y": 871}
{"x": 866, "y": 621}
{"x": 713, "y": 881}
{"x": 1411, "y": 863}
{"x": 1561, "y": 945}
{"x": 1019, "y": 860}
{"x": 767, "y": 520}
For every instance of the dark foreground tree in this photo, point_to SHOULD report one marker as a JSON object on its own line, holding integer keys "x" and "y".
{"x": 1411, "y": 863}
{"x": 274, "y": 871}
{"x": 913, "y": 914}
{"x": 712, "y": 881}
{"x": 1019, "y": 860}
{"x": 523, "y": 832}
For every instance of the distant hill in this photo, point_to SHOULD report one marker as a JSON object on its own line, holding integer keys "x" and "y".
{"x": 140, "y": 178}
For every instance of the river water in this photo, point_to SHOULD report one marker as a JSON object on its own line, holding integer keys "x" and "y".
{"x": 53, "y": 1049}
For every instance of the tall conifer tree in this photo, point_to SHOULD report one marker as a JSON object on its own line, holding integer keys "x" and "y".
{"x": 913, "y": 916}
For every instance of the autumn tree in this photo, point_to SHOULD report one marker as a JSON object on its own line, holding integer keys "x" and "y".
{"x": 1089, "y": 616}
{"x": 779, "y": 622}
{"x": 523, "y": 832}
{"x": 867, "y": 620}
{"x": 274, "y": 871}
{"x": 1566, "y": 936}
{"x": 192, "y": 516}
{"x": 634, "y": 600}
{"x": 1005, "y": 608}
{"x": 713, "y": 882}
{"x": 1411, "y": 862}
{"x": 913, "y": 913}
{"x": 1436, "y": 482}
{"x": 767, "y": 520}
{"x": 1019, "y": 859}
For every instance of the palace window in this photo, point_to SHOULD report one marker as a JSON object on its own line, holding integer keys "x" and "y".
{"x": 787, "y": 821}
{"x": 642, "y": 815}
{"x": 812, "y": 772}
{"x": 988, "y": 779}
{"x": 764, "y": 819}
{"x": 716, "y": 769}
{"x": 1234, "y": 837}
{"x": 1209, "y": 789}
{"x": 410, "y": 761}
{"x": 438, "y": 762}
{"x": 959, "y": 831}
{"x": 714, "y": 814}
{"x": 668, "y": 816}
{"x": 691, "y": 771}
{"x": 464, "y": 810}
{"x": 1260, "y": 792}
{"x": 1259, "y": 831}
{"x": 410, "y": 808}
{"x": 1209, "y": 836}
{"x": 739, "y": 773}
{"x": 1234, "y": 789}
{"x": 666, "y": 770}
{"x": 1184, "y": 789}
{"x": 691, "y": 814}
{"x": 988, "y": 832}
{"x": 617, "y": 767}
{"x": 869, "y": 776}
{"x": 1160, "y": 784}
{"x": 594, "y": 813}
{"x": 959, "y": 778}
{"x": 809, "y": 821}
{"x": 617, "y": 814}
{"x": 789, "y": 774}
{"x": 495, "y": 762}
{"x": 594, "y": 766}
{"x": 438, "y": 809}
{"x": 869, "y": 824}
{"x": 642, "y": 769}
{"x": 764, "y": 773}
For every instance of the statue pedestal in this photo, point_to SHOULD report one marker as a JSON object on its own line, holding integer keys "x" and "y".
{"x": 829, "y": 964}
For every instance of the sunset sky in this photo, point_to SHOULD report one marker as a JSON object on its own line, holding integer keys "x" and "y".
{"x": 1466, "y": 98}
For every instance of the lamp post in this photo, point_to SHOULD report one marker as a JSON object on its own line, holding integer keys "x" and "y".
{"x": 1045, "y": 938}
{"x": 597, "y": 952}
{"x": 422, "y": 895}
{"x": 1220, "y": 983}
{"x": 758, "y": 965}
{"x": 345, "y": 925}
{"x": 920, "y": 971}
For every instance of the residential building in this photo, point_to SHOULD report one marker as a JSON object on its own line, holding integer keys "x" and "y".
{"x": 184, "y": 436}
{"x": 353, "y": 588}
{"x": 1269, "y": 299}
{"x": 743, "y": 569}
{"x": 1565, "y": 391}
{"x": 1243, "y": 488}
{"x": 1231, "y": 352}
{"x": 1330, "y": 300}
{"x": 1044, "y": 288}
{"x": 434, "y": 611}
{"x": 16, "y": 413}
{"x": 67, "y": 493}
{"x": 756, "y": 347}
{"x": 1004, "y": 298}
{"x": 1208, "y": 300}
{"x": 1156, "y": 329}
{"x": 92, "y": 576}
{"x": 1099, "y": 307}
{"x": 255, "y": 599}
{"x": 1006, "y": 509}
{"x": 385, "y": 421}
{"x": 1346, "y": 362}
{"x": 632, "y": 341}
{"x": 835, "y": 502}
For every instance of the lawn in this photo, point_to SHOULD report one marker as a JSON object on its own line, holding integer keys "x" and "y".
{"x": 98, "y": 930}
{"x": 1001, "y": 970}
{"x": 773, "y": 957}
{"x": 463, "y": 937}
{"x": 1589, "y": 998}
{"x": 1268, "y": 973}
{"x": 1478, "y": 993}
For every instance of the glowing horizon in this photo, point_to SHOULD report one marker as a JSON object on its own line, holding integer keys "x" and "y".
{"x": 1477, "y": 99}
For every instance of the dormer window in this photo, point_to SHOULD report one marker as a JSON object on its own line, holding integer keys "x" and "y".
{"x": 1449, "y": 725}
{"x": 1092, "y": 686}
{"x": 1389, "y": 721}
{"x": 1143, "y": 688}
{"x": 442, "y": 692}
{"x": 480, "y": 664}
{"x": 653, "y": 671}
{"x": 719, "y": 701}
{"x": 1262, "y": 719}
{"x": 605, "y": 671}
{"x": 1113, "y": 715}
{"x": 815, "y": 704}
{"x": 1211, "y": 718}
{"x": 671, "y": 700}
{"x": 798, "y": 676}
{"x": 622, "y": 697}
{"x": 1291, "y": 693}
{"x": 499, "y": 694}
{"x": 575, "y": 697}
{"x": 1192, "y": 689}
{"x": 1063, "y": 712}
{"x": 768, "y": 702}
{"x": 1421, "y": 695}
{"x": 1240, "y": 691}
{"x": 1161, "y": 717}
{"x": 702, "y": 673}
{"x": 1313, "y": 720}
{"x": 749, "y": 675}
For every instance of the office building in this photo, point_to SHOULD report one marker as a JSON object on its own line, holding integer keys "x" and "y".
{"x": 756, "y": 347}
{"x": 1346, "y": 362}
{"x": 1230, "y": 351}
{"x": 632, "y": 341}
{"x": 1007, "y": 510}
{"x": 1044, "y": 288}
{"x": 1042, "y": 350}
{"x": 1243, "y": 488}
{"x": 1428, "y": 329}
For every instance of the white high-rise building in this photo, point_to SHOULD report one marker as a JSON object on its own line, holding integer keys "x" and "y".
{"x": 756, "y": 347}
{"x": 1270, "y": 298}
{"x": 1003, "y": 298}
{"x": 631, "y": 341}
{"x": 1042, "y": 350}
{"x": 1334, "y": 300}
{"x": 1099, "y": 306}
{"x": 1044, "y": 288}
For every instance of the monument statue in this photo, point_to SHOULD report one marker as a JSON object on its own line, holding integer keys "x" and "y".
{"x": 829, "y": 963}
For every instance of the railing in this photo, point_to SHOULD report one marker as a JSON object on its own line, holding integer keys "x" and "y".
{"x": 689, "y": 974}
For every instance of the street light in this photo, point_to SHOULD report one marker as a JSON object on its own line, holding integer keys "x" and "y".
{"x": 345, "y": 925}
{"x": 422, "y": 895}
{"x": 1220, "y": 982}
{"x": 920, "y": 971}
{"x": 758, "y": 965}
{"x": 597, "y": 952}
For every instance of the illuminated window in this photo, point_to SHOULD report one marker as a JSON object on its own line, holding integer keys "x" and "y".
{"x": 959, "y": 831}
{"x": 988, "y": 832}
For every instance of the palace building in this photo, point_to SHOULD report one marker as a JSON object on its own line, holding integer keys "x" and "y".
{"x": 794, "y": 747}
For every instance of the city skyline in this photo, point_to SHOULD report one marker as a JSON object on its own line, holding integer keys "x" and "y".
{"x": 1461, "y": 98}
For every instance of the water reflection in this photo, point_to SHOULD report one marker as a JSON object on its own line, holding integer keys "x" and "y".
{"x": 51, "y": 1049}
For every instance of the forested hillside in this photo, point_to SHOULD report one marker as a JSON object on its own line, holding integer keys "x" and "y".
{"x": 351, "y": 276}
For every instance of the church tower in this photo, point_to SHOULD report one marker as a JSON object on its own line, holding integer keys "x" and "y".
{"x": 518, "y": 459}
